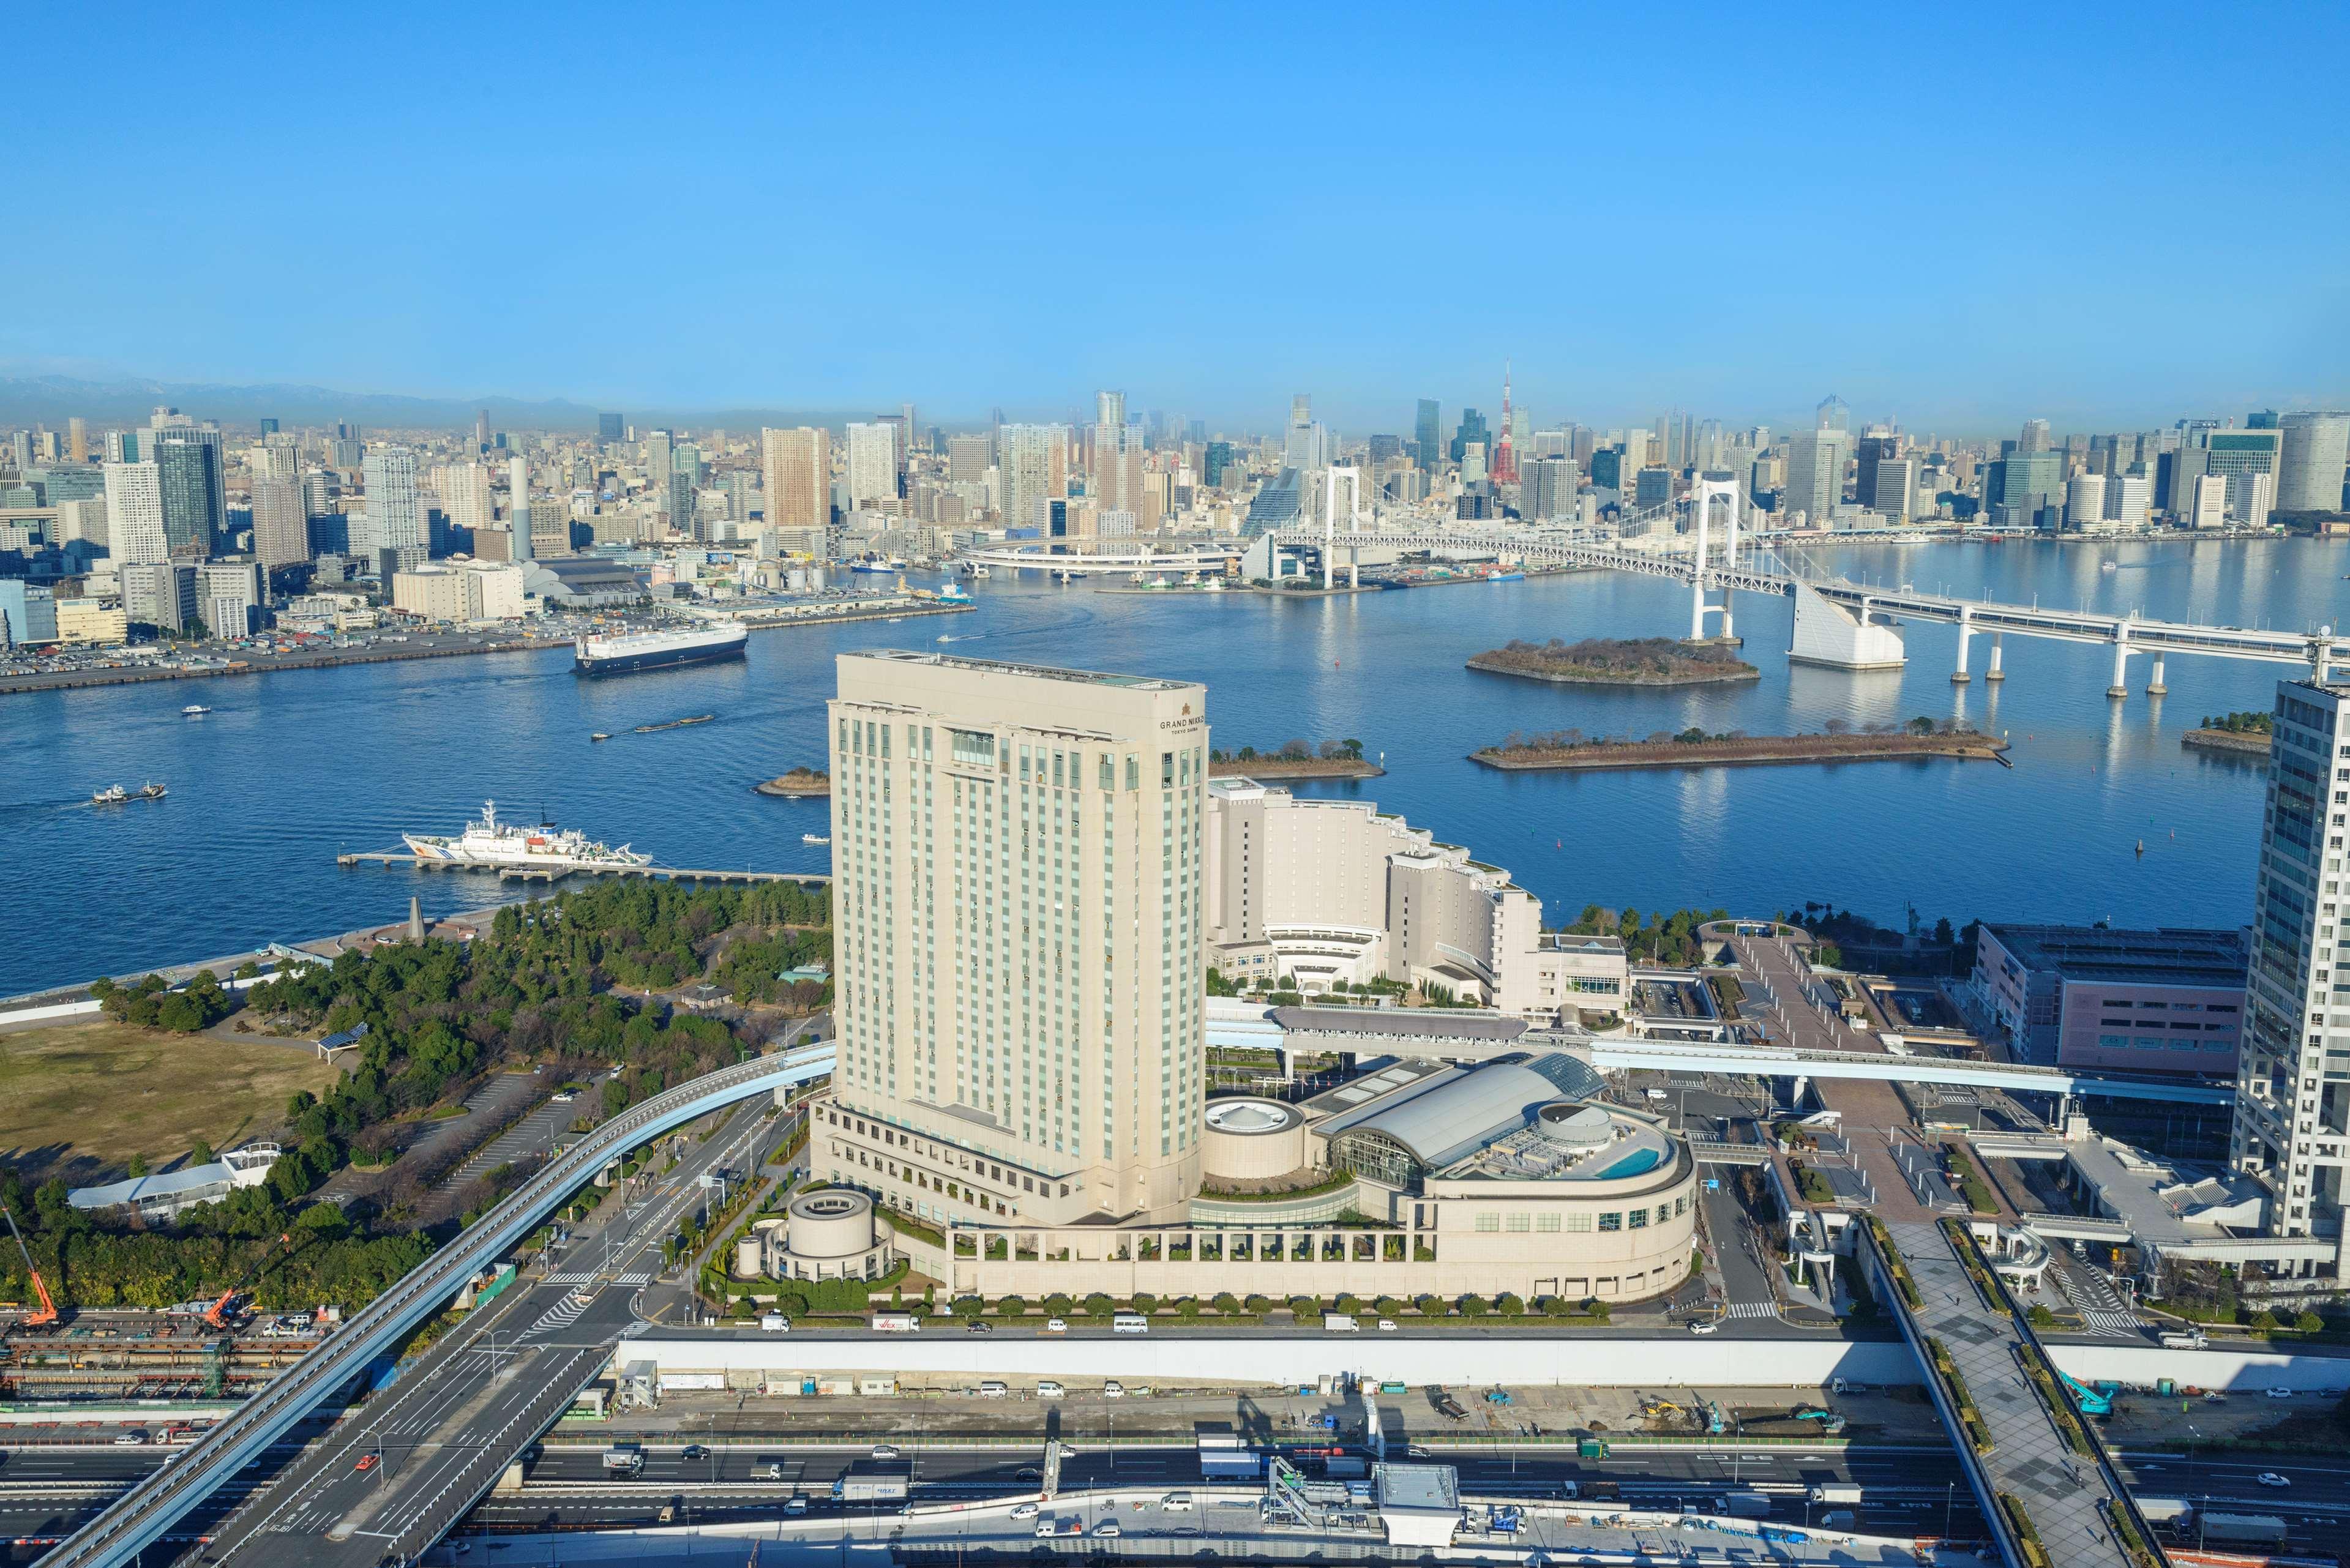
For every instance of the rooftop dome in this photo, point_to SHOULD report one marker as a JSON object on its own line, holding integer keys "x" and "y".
{"x": 1572, "y": 1125}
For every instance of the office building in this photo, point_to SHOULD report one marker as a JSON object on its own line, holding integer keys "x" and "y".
{"x": 2022, "y": 489}
{"x": 28, "y": 614}
{"x": 1652, "y": 487}
{"x": 2293, "y": 1082}
{"x": 797, "y": 473}
{"x": 1815, "y": 480}
{"x": 2085, "y": 500}
{"x": 2035, "y": 437}
{"x": 230, "y": 595}
{"x": 1216, "y": 464}
{"x": 1885, "y": 481}
{"x": 76, "y": 440}
{"x": 281, "y": 530}
{"x": 1428, "y": 436}
{"x": 872, "y": 472}
{"x": 1471, "y": 429}
{"x": 2245, "y": 459}
{"x": 2128, "y": 500}
{"x": 610, "y": 429}
{"x": 195, "y": 500}
{"x": 967, "y": 460}
{"x": 395, "y": 510}
{"x": 2310, "y": 468}
{"x": 92, "y": 622}
{"x": 2209, "y": 506}
{"x": 161, "y": 594}
{"x": 2167, "y": 1001}
{"x": 1831, "y": 414}
{"x": 1010, "y": 839}
{"x": 134, "y": 513}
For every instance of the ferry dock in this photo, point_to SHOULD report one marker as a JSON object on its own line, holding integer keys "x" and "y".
{"x": 575, "y": 869}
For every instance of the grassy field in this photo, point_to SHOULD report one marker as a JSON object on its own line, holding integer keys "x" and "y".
{"x": 77, "y": 1097}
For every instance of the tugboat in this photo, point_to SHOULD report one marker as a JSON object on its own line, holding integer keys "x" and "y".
{"x": 112, "y": 795}
{"x": 153, "y": 791}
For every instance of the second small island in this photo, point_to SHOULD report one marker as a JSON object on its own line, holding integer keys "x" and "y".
{"x": 797, "y": 784}
{"x": 1611, "y": 661}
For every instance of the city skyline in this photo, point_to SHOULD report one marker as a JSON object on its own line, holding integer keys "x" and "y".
{"x": 1727, "y": 266}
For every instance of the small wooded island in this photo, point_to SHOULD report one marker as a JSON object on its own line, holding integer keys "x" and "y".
{"x": 2246, "y": 734}
{"x": 1694, "y": 748}
{"x": 1296, "y": 760}
{"x": 1608, "y": 661}
{"x": 799, "y": 784}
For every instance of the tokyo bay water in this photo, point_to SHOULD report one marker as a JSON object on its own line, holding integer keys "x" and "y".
{"x": 290, "y": 769}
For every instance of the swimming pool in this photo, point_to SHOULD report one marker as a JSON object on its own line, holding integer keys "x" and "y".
{"x": 1632, "y": 1164}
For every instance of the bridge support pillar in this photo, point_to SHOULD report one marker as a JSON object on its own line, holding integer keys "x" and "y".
{"x": 2120, "y": 688}
{"x": 2154, "y": 685}
{"x": 1994, "y": 672}
{"x": 1354, "y": 572}
{"x": 1960, "y": 677}
{"x": 1696, "y": 575}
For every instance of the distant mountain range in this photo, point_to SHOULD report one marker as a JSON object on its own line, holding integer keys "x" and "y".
{"x": 50, "y": 401}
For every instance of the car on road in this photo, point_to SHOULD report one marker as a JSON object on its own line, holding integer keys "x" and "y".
{"x": 1705, "y": 1325}
{"x": 1112, "y": 1389}
{"x": 976, "y": 1326}
{"x": 1028, "y": 1472}
{"x": 1109, "y": 1527}
{"x": 1387, "y": 1325}
{"x": 366, "y": 1463}
{"x": 886, "y": 1451}
{"x": 135, "y": 1438}
{"x": 798, "y": 1505}
{"x": 2279, "y": 1393}
{"x": 695, "y": 1451}
{"x": 1055, "y": 1326}
{"x": 2271, "y": 1479}
{"x": 1023, "y": 1511}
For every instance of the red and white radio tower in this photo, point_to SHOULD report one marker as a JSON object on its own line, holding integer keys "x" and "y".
{"x": 1505, "y": 462}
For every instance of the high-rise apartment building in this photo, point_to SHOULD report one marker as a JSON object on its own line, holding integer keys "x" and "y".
{"x": 465, "y": 492}
{"x": 134, "y": 513}
{"x": 2292, "y": 1083}
{"x": 281, "y": 530}
{"x": 230, "y": 595}
{"x": 76, "y": 440}
{"x": 1033, "y": 466}
{"x": 2085, "y": 500}
{"x": 1018, "y": 909}
{"x": 2311, "y": 467}
{"x": 1547, "y": 488}
{"x": 797, "y": 473}
{"x": 395, "y": 510}
{"x": 872, "y": 472}
{"x": 521, "y": 525}
{"x": 1428, "y": 436}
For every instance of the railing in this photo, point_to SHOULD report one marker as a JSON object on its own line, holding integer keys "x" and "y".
{"x": 144, "y": 1512}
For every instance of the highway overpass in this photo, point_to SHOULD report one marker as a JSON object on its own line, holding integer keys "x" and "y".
{"x": 145, "y": 1513}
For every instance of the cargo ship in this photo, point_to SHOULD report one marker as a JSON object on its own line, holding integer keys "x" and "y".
{"x": 489, "y": 842}
{"x": 632, "y": 651}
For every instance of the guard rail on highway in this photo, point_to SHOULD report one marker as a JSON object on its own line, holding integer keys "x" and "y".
{"x": 117, "y": 1535}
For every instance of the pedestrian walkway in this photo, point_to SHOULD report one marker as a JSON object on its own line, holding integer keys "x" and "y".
{"x": 2029, "y": 1458}
{"x": 1751, "y": 1309}
{"x": 527, "y": 1139}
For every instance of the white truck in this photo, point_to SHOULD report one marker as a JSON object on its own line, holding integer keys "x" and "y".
{"x": 1340, "y": 1322}
{"x": 1836, "y": 1492}
{"x": 623, "y": 1459}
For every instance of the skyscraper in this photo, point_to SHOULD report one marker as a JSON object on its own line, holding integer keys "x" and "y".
{"x": 1019, "y": 883}
{"x": 610, "y": 429}
{"x": 1428, "y": 435}
{"x": 2293, "y": 1061}
{"x": 2035, "y": 438}
{"x": 2022, "y": 490}
{"x": 76, "y": 440}
{"x": 195, "y": 499}
{"x": 1831, "y": 414}
{"x": 520, "y": 544}
{"x": 1885, "y": 481}
{"x": 1546, "y": 488}
{"x": 966, "y": 459}
{"x": 1031, "y": 463}
{"x": 1814, "y": 471}
{"x": 395, "y": 512}
{"x": 872, "y": 472}
{"x": 482, "y": 431}
{"x": 2310, "y": 468}
{"x": 281, "y": 531}
{"x": 1471, "y": 428}
{"x": 798, "y": 472}
{"x": 2243, "y": 457}
{"x": 134, "y": 513}
{"x": 661, "y": 449}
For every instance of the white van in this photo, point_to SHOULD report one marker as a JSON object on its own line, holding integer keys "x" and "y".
{"x": 1049, "y": 1390}
{"x": 992, "y": 1390}
{"x": 1176, "y": 1503}
{"x": 1112, "y": 1389}
{"x": 1128, "y": 1323}
{"x": 774, "y": 1323}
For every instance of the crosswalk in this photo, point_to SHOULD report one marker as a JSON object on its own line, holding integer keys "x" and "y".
{"x": 557, "y": 1318}
{"x": 636, "y": 1277}
{"x": 568, "y": 1279}
{"x": 1751, "y": 1309}
{"x": 2102, "y": 1320}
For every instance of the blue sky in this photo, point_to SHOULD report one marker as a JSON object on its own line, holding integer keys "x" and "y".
{"x": 1960, "y": 217}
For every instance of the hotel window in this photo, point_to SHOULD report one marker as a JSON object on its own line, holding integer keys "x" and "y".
{"x": 1611, "y": 1221}
{"x": 1545, "y": 1221}
{"x": 1108, "y": 772}
{"x": 1521, "y": 1222}
{"x": 1578, "y": 1222}
{"x": 1489, "y": 1221}
{"x": 1640, "y": 1218}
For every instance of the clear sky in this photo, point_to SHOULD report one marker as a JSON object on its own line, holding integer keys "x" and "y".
{"x": 2099, "y": 215}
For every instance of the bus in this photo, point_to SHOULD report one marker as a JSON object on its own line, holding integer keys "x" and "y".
{"x": 897, "y": 1322}
{"x": 1128, "y": 1323}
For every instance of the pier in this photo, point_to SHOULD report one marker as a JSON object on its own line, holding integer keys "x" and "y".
{"x": 576, "y": 869}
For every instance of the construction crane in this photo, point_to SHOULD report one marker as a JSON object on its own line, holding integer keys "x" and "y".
{"x": 48, "y": 1316}
{"x": 222, "y": 1313}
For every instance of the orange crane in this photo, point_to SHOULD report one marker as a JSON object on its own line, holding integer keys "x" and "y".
{"x": 219, "y": 1315}
{"x": 48, "y": 1316}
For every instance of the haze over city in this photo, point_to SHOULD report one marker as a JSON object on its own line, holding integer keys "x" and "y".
{"x": 1398, "y": 785}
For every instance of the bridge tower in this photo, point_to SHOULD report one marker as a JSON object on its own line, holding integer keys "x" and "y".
{"x": 1701, "y": 496}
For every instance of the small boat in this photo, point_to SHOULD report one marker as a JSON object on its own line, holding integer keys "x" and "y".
{"x": 112, "y": 795}
{"x": 153, "y": 791}
{"x": 2107, "y": 566}
{"x": 944, "y": 637}
{"x": 195, "y": 710}
{"x": 599, "y": 735}
{"x": 814, "y": 839}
